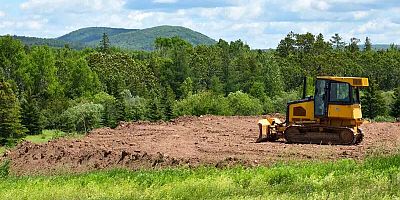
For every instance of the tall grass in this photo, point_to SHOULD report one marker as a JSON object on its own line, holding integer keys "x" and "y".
{"x": 374, "y": 178}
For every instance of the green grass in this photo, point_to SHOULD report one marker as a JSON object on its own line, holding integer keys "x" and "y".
{"x": 2, "y": 150}
{"x": 374, "y": 178}
{"x": 48, "y": 135}
{"x": 44, "y": 137}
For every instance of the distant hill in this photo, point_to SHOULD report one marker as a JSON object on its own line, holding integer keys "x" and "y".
{"x": 34, "y": 41}
{"x": 138, "y": 39}
{"x": 379, "y": 46}
{"x": 144, "y": 39}
{"x": 87, "y": 35}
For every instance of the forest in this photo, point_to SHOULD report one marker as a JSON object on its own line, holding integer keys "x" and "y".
{"x": 79, "y": 90}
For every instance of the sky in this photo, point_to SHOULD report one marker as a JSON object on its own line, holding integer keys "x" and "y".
{"x": 259, "y": 23}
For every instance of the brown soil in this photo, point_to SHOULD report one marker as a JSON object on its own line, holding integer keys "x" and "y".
{"x": 186, "y": 141}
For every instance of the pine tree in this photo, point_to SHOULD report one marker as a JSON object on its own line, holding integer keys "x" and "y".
{"x": 155, "y": 108}
{"x": 353, "y": 46}
{"x": 120, "y": 107}
{"x": 367, "y": 44}
{"x": 320, "y": 46}
{"x": 372, "y": 102}
{"x": 286, "y": 45}
{"x": 168, "y": 101}
{"x": 337, "y": 42}
{"x": 105, "y": 43}
{"x": 10, "y": 116}
{"x": 31, "y": 116}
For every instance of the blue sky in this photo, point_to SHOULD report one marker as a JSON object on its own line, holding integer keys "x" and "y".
{"x": 260, "y": 23}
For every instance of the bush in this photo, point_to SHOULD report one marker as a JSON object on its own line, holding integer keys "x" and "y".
{"x": 203, "y": 103}
{"x": 135, "y": 106}
{"x": 388, "y": 98}
{"x": 4, "y": 169}
{"x": 395, "y": 103}
{"x": 268, "y": 105}
{"x": 384, "y": 119}
{"x": 280, "y": 102}
{"x": 50, "y": 115}
{"x": 82, "y": 118}
{"x": 243, "y": 104}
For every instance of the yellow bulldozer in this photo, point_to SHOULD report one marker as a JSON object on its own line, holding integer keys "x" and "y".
{"x": 331, "y": 116}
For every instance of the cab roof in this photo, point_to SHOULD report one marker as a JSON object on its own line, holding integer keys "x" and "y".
{"x": 353, "y": 81}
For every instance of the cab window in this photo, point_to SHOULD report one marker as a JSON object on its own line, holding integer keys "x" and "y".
{"x": 340, "y": 92}
{"x": 356, "y": 95}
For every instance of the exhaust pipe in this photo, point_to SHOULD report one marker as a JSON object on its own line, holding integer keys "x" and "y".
{"x": 304, "y": 87}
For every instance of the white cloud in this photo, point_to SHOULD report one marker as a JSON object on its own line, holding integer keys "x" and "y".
{"x": 2, "y": 14}
{"x": 139, "y": 16}
{"x": 376, "y": 26}
{"x": 307, "y": 5}
{"x": 79, "y": 6}
{"x": 245, "y": 10}
{"x": 360, "y": 15}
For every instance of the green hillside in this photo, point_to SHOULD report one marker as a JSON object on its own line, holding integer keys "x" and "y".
{"x": 34, "y": 41}
{"x": 123, "y": 38}
{"x": 144, "y": 39}
{"x": 87, "y": 35}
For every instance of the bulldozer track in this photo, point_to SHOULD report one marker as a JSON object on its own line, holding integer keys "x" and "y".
{"x": 321, "y": 134}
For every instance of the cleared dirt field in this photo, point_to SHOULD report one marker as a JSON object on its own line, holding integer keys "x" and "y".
{"x": 187, "y": 141}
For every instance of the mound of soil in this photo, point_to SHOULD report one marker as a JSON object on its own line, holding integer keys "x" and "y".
{"x": 186, "y": 141}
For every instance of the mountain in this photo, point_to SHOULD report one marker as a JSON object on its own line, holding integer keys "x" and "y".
{"x": 136, "y": 39}
{"x": 87, "y": 35}
{"x": 144, "y": 39}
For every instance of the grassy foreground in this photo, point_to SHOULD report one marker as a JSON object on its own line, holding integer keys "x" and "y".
{"x": 374, "y": 178}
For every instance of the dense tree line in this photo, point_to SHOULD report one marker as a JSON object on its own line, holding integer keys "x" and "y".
{"x": 61, "y": 88}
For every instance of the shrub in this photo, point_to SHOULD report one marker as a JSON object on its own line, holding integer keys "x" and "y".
{"x": 4, "y": 169}
{"x": 280, "y": 102}
{"x": 268, "y": 105}
{"x": 395, "y": 103}
{"x": 384, "y": 119}
{"x": 135, "y": 106}
{"x": 50, "y": 115}
{"x": 243, "y": 104}
{"x": 82, "y": 118}
{"x": 203, "y": 103}
{"x": 389, "y": 98}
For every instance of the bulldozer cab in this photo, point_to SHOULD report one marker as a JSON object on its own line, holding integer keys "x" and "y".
{"x": 336, "y": 91}
{"x": 333, "y": 92}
